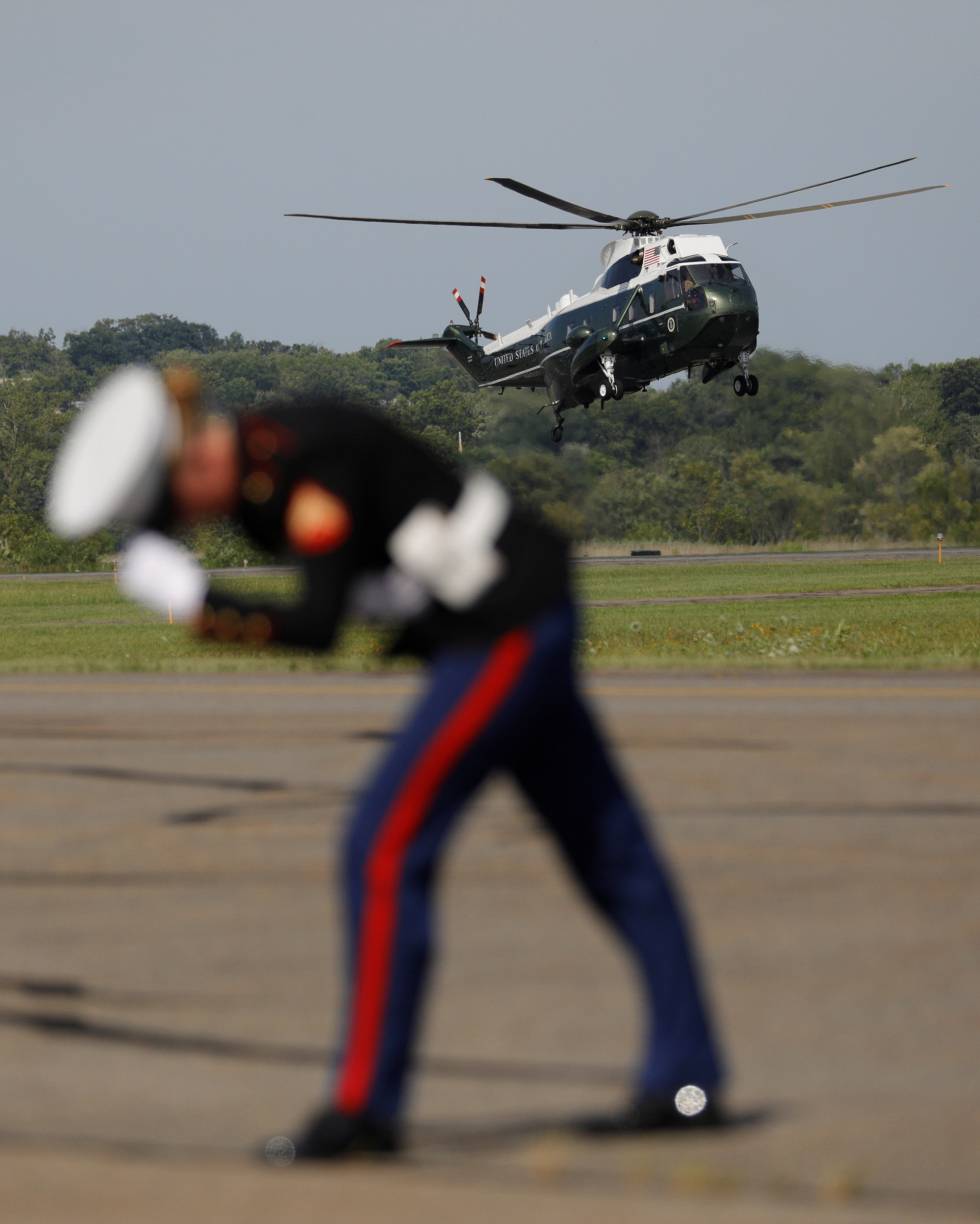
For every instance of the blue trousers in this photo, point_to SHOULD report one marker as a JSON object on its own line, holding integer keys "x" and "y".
{"x": 512, "y": 705}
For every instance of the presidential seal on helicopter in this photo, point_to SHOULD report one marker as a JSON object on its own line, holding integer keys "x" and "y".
{"x": 660, "y": 304}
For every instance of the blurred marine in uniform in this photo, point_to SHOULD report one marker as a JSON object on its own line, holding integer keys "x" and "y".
{"x": 383, "y": 528}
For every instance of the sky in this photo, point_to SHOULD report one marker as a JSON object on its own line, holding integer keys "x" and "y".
{"x": 149, "y": 152}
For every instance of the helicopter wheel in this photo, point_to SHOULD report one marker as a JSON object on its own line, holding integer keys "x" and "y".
{"x": 751, "y": 385}
{"x": 739, "y": 385}
{"x": 603, "y": 390}
{"x": 618, "y": 392}
{"x": 557, "y": 434}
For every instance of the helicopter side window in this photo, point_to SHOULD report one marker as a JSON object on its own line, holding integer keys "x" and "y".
{"x": 620, "y": 272}
{"x": 672, "y": 288}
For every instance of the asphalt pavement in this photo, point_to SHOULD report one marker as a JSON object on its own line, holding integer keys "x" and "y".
{"x": 170, "y": 956}
{"x": 868, "y": 554}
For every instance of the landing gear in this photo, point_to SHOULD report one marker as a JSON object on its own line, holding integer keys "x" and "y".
{"x": 608, "y": 387}
{"x": 609, "y": 390}
{"x": 745, "y": 383}
{"x": 559, "y": 430}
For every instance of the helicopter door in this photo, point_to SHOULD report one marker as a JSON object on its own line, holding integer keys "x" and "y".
{"x": 667, "y": 295}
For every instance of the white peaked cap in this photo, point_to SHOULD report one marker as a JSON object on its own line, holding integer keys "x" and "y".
{"x": 113, "y": 461}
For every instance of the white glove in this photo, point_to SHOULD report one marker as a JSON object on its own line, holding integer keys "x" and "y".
{"x": 163, "y": 576}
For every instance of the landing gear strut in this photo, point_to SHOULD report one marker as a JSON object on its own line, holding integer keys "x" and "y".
{"x": 559, "y": 430}
{"x": 745, "y": 383}
{"x": 608, "y": 388}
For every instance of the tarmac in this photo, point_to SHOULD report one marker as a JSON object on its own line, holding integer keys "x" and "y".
{"x": 658, "y": 561}
{"x": 169, "y": 956}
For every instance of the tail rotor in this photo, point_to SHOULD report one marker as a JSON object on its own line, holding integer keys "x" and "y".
{"x": 474, "y": 327}
{"x": 463, "y": 307}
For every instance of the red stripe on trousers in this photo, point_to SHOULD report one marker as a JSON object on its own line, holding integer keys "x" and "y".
{"x": 384, "y": 867}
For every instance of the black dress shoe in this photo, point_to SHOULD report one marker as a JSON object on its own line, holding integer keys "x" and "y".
{"x": 686, "y": 1110}
{"x": 332, "y": 1135}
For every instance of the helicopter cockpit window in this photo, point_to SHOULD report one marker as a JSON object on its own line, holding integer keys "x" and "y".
{"x": 718, "y": 274}
{"x": 672, "y": 287}
{"x": 620, "y": 272}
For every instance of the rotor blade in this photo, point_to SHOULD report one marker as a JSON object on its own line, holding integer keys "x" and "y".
{"x": 785, "y": 212}
{"x": 462, "y": 305}
{"x": 541, "y": 225}
{"x": 479, "y": 300}
{"x": 809, "y": 187}
{"x": 565, "y": 205}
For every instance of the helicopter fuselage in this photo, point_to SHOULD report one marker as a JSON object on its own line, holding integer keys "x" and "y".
{"x": 659, "y": 306}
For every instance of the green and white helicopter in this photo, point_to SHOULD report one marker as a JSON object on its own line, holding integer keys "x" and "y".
{"x": 659, "y": 305}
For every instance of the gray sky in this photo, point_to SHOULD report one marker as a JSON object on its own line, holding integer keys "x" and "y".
{"x": 150, "y": 149}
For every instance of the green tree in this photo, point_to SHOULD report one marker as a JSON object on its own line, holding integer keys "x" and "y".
{"x": 958, "y": 384}
{"x": 442, "y": 409}
{"x": 23, "y": 353}
{"x": 887, "y": 476}
{"x": 631, "y": 503}
{"x": 114, "y": 342}
{"x": 31, "y": 425}
{"x": 237, "y": 378}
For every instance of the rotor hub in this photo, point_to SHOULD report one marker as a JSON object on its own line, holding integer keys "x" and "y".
{"x": 640, "y": 224}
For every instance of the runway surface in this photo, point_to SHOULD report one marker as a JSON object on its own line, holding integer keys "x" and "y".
{"x": 770, "y": 558}
{"x": 869, "y": 554}
{"x": 780, "y": 596}
{"x": 169, "y": 956}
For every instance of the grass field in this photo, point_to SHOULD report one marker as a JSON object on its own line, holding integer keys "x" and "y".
{"x": 87, "y": 626}
{"x": 649, "y": 581}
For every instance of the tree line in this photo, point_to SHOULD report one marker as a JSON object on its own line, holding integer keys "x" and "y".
{"x": 823, "y": 450}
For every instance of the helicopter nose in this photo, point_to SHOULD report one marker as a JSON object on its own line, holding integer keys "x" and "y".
{"x": 730, "y": 299}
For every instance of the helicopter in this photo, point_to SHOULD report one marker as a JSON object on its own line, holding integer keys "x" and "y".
{"x": 660, "y": 304}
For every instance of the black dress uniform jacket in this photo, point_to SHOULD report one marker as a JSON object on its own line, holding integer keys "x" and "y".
{"x": 329, "y": 485}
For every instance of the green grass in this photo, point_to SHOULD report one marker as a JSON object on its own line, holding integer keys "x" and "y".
{"x": 894, "y": 631}
{"x": 899, "y": 631}
{"x": 87, "y": 626}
